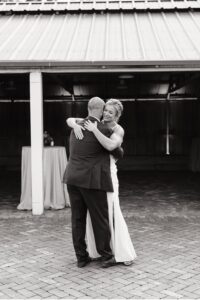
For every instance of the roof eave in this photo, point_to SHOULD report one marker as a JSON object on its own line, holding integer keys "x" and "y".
{"x": 100, "y": 66}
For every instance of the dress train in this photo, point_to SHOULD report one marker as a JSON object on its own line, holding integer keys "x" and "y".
{"x": 121, "y": 243}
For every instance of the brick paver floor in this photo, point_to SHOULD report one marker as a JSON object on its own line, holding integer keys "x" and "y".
{"x": 162, "y": 210}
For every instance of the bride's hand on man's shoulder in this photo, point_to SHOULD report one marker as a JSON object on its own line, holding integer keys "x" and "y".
{"x": 78, "y": 131}
{"x": 90, "y": 126}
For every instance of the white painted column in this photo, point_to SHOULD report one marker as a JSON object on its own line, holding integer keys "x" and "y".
{"x": 167, "y": 125}
{"x": 36, "y": 114}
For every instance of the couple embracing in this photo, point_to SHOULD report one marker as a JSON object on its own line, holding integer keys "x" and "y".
{"x": 99, "y": 231}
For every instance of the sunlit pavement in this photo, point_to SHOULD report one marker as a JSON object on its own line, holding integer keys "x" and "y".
{"x": 162, "y": 210}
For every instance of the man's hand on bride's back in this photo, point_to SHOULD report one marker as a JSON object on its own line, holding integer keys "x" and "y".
{"x": 78, "y": 131}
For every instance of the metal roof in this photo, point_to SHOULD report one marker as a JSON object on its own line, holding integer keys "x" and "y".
{"x": 95, "y": 5}
{"x": 92, "y": 39}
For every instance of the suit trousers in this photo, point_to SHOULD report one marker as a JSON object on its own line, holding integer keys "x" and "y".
{"x": 95, "y": 201}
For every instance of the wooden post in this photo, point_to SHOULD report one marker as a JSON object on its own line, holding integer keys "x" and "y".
{"x": 36, "y": 113}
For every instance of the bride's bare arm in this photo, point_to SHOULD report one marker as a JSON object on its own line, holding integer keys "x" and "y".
{"x": 111, "y": 143}
{"x": 78, "y": 129}
{"x": 71, "y": 122}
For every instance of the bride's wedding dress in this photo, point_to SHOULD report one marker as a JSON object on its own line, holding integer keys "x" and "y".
{"x": 121, "y": 243}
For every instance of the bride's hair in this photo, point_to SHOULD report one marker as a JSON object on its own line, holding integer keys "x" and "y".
{"x": 117, "y": 105}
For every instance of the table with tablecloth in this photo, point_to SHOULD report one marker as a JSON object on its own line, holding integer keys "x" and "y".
{"x": 55, "y": 191}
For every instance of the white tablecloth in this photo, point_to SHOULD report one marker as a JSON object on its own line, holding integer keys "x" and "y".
{"x": 55, "y": 191}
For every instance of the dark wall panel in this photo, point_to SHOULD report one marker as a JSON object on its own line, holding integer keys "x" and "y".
{"x": 15, "y": 132}
{"x": 144, "y": 123}
{"x": 183, "y": 125}
{"x": 55, "y": 115}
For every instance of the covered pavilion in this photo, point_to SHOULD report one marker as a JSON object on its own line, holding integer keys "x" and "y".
{"x": 55, "y": 55}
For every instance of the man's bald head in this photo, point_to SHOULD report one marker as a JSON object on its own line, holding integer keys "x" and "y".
{"x": 95, "y": 107}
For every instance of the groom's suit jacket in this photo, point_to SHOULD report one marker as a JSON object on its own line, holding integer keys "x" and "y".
{"x": 89, "y": 162}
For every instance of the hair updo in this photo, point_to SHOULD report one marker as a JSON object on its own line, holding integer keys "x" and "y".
{"x": 117, "y": 105}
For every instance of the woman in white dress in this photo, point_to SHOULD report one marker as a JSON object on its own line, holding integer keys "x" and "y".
{"x": 121, "y": 243}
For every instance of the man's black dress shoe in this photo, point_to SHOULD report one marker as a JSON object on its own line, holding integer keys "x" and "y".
{"x": 109, "y": 263}
{"x": 83, "y": 263}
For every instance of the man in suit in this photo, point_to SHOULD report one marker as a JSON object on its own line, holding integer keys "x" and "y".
{"x": 88, "y": 180}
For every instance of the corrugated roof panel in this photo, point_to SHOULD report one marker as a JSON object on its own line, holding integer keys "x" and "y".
{"x": 4, "y": 22}
{"x": 195, "y": 32}
{"x": 10, "y": 35}
{"x": 191, "y": 29}
{"x": 80, "y": 39}
{"x": 58, "y": 46}
{"x": 114, "y": 42}
{"x": 17, "y": 34}
{"x": 61, "y": 47}
{"x": 86, "y": 37}
{"x": 132, "y": 41}
{"x": 46, "y": 39}
{"x": 36, "y": 37}
{"x": 97, "y": 39}
{"x": 21, "y": 40}
{"x": 148, "y": 38}
{"x": 165, "y": 37}
{"x": 182, "y": 40}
